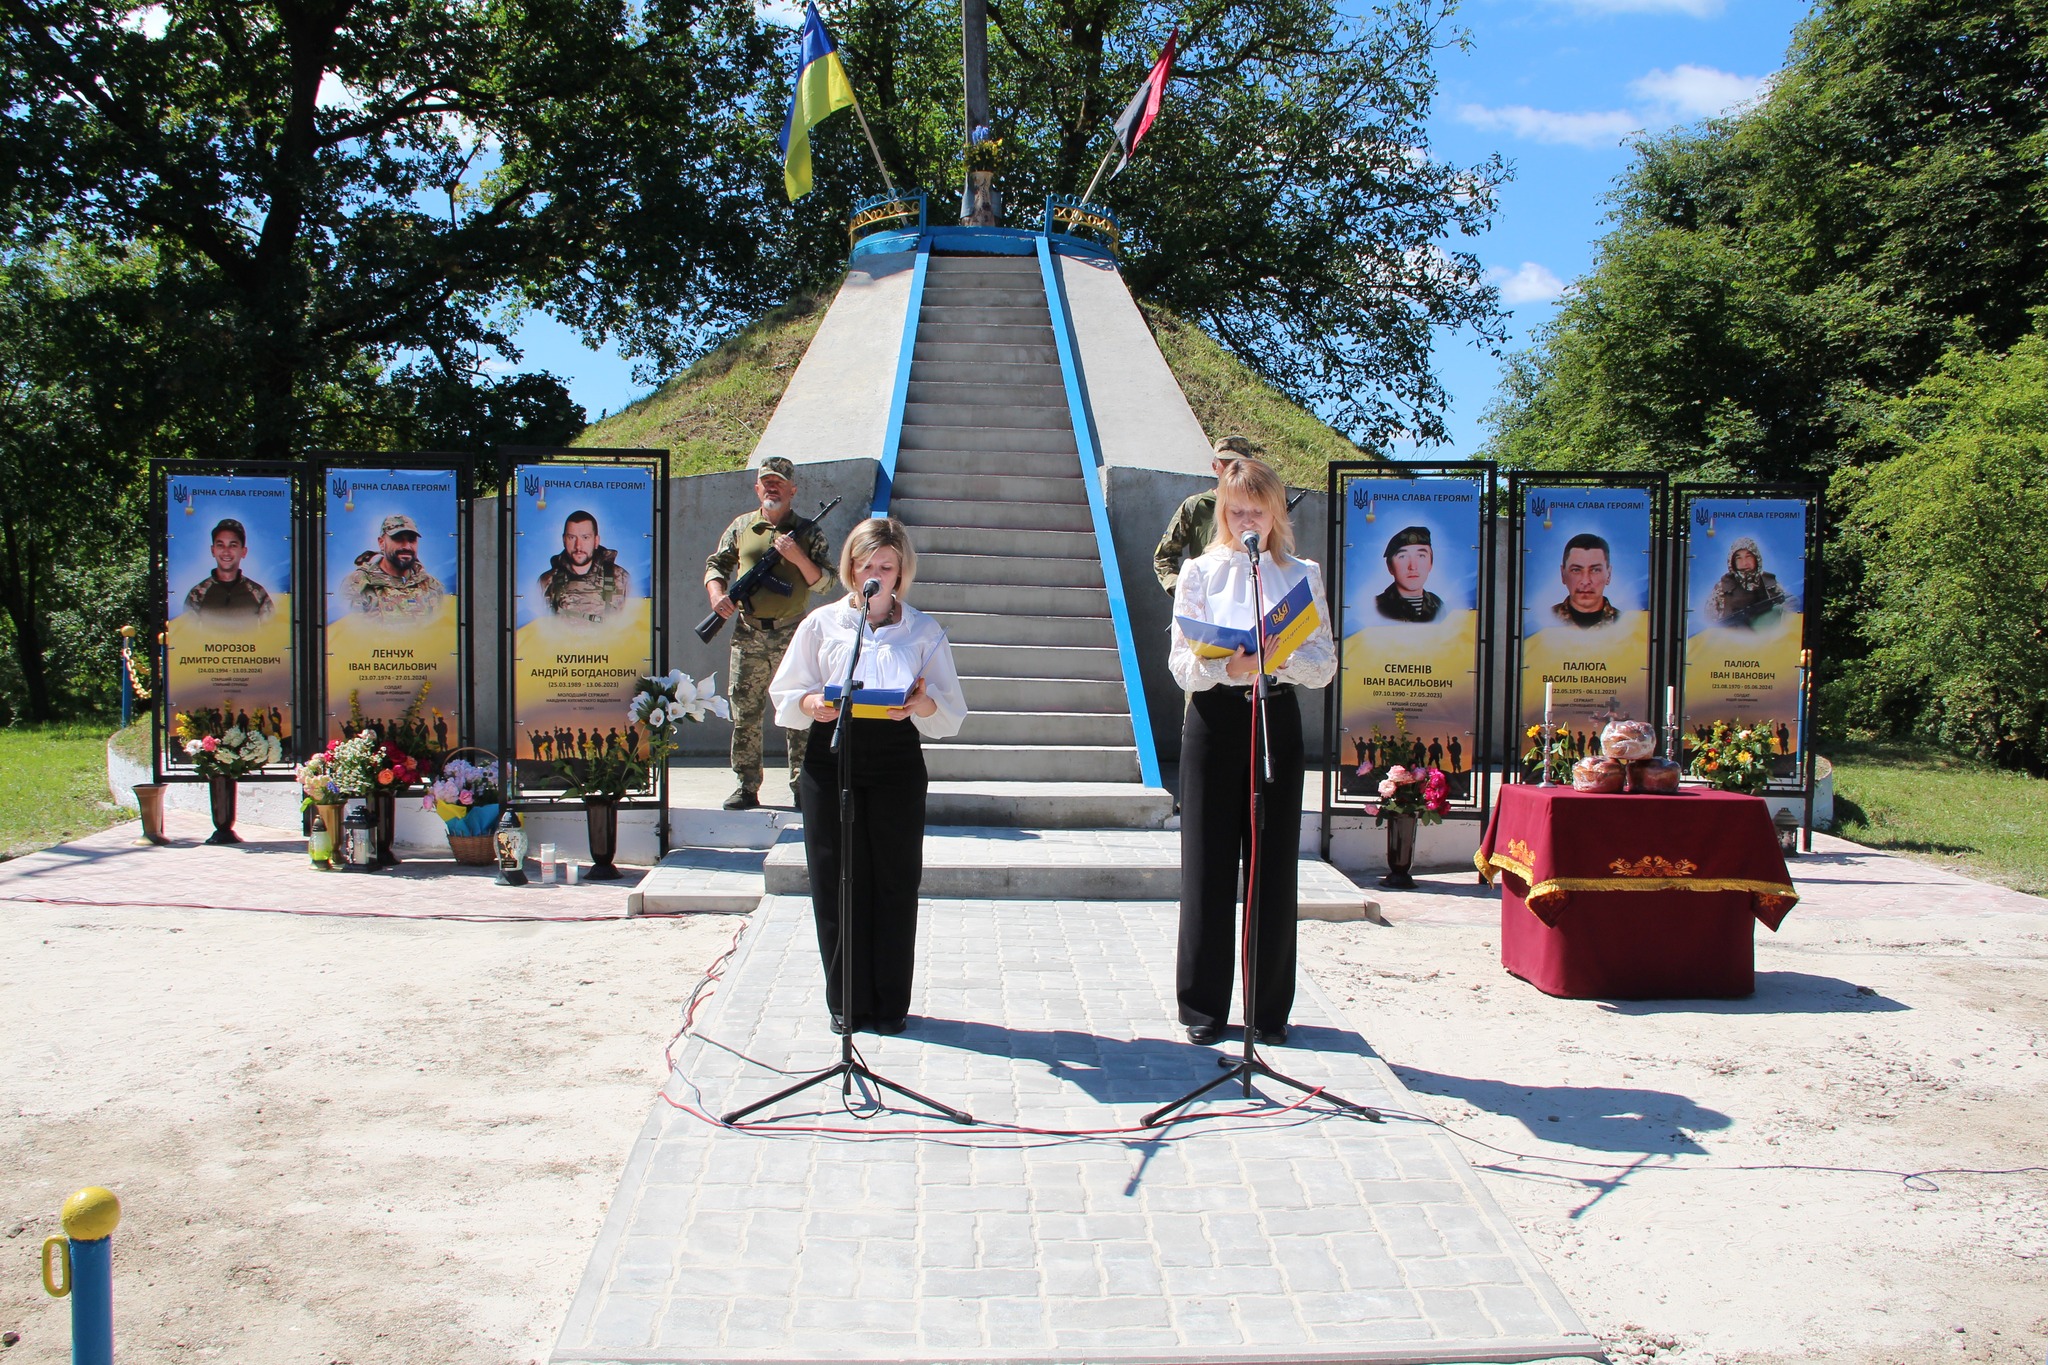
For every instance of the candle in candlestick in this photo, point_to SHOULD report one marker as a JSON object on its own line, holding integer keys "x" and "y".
{"x": 1671, "y": 702}
{"x": 1549, "y": 690}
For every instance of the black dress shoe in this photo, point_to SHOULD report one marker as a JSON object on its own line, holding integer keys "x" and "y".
{"x": 1201, "y": 1035}
{"x": 892, "y": 1027}
{"x": 1271, "y": 1037}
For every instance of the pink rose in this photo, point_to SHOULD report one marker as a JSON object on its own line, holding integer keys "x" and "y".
{"x": 1387, "y": 789}
{"x": 1399, "y": 775}
{"x": 468, "y": 799}
{"x": 209, "y": 744}
{"x": 1365, "y": 770}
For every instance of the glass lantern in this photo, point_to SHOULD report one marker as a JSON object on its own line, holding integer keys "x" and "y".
{"x": 511, "y": 846}
{"x": 359, "y": 837}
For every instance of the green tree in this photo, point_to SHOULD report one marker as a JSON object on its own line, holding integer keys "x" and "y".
{"x": 1774, "y": 277}
{"x": 1286, "y": 199}
{"x": 1955, "y": 569}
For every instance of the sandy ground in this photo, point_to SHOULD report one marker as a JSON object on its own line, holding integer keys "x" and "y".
{"x": 362, "y": 1141}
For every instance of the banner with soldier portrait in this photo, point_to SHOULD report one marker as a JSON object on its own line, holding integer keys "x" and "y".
{"x": 1412, "y": 557}
{"x": 583, "y": 558}
{"x": 392, "y": 556}
{"x": 227, "y": 560}
{"x": 1745, "y": 620}
{"x": 1588, "y": 585}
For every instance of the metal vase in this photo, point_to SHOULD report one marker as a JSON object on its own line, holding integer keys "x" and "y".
{"x": 384, "y": 808}
{"x": 601, "y": 817}
{"x": 220, "y": 797}
{"x": 1400, "y": 852}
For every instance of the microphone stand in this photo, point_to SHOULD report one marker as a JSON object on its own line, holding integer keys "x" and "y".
{"x": 1249, "y": 1063}
{"x": 850, "y": 1064}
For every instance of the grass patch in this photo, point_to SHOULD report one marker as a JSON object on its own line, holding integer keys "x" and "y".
{"x": 53, "y": 785}
{"x": 1956, "y": 813}
{"x": 711, "y": 416}
{"x": 1230, "y": 400}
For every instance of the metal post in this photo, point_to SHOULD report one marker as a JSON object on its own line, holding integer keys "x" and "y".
{"x": 86, "y": 1255}
{"x": 974, "y": 64}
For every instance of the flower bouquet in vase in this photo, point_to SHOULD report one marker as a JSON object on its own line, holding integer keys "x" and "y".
{"x": 223, "y": 752}
{"x": 1408, "y": 797}
{"x": 318, "y": 794}
{"x": 467, "y": 797}
{"x": 1734, "y": 758}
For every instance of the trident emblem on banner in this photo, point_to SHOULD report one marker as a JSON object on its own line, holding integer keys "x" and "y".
{"x": 345, "y": 491}
{"x": 1540, "y": 507}
{"x": 1365, "y": 501}
{"x": 1703, "y": 516}
{"x": 537, "y": 489}
{"x": 182, "y": 495}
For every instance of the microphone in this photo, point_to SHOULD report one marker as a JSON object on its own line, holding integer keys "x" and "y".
{"x": 1251, "y": 544}
{"x": 870, "y": 588}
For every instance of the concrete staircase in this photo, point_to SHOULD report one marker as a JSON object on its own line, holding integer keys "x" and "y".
{"x": 988, "y": 478}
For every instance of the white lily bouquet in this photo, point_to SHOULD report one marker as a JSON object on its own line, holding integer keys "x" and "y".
{"x": 664, "y": 705}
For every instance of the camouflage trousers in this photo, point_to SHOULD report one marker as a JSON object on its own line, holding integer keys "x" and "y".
{"x": 755, "y": 655}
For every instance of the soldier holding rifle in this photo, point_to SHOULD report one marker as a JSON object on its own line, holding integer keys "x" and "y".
{"x": 765, "y": 617}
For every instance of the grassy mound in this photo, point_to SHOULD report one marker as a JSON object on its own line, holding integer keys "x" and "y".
{"x": 712, "y": 415}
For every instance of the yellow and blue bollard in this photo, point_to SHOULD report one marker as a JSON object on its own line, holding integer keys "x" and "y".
{"x": 80, "y": 1265}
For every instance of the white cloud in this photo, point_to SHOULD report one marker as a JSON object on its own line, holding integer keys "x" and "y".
{"x": 1602, "y": 129}
{"x": 1689, "y": 92}
{"x": 335, "y": 94}
{"x": 1531, "y": 283}
{"x": 1698, "y": 9}
{"x": 1680, "y": 95}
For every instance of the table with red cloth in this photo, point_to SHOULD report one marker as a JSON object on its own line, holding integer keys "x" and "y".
{"x": 1634, "y": 897}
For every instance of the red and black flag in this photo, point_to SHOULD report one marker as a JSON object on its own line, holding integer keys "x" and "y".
{"x": 1136, "y": 119}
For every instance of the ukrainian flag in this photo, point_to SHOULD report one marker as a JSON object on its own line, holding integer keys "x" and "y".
{"x": 821, "y": 87}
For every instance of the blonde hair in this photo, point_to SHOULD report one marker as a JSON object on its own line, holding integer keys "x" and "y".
{"x": 878, "y": 533}
{"x": 1250, "y": 480}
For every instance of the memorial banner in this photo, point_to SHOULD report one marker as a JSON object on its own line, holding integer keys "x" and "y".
{"x": 583, "y": 579}
{"x": 1745, "y": 623}
{"x": 1587, "y": 583}
{"x": 393, "y": 565}
{"x": 1409, "y": 681}
{"x": 228, "y": 603}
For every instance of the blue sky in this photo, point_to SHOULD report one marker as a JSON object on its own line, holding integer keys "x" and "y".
{"x": 1556, "y": 86}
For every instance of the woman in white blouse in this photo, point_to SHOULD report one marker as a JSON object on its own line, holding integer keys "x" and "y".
{"x": 1215, "y": 759}
{"x": 901, "y": 648}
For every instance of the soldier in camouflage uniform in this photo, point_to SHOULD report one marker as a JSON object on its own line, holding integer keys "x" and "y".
{"x": 1194, "y": 523}
{"x": 585, "y": 581}
{"x": 390, "y": 580}
{"x": 227, "y": 593}
{"x": 761, "y": 633}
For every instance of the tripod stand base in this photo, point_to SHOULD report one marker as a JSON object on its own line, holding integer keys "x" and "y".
{"x": 849, "y": 1070}
{"x": 1244, "y": 1068}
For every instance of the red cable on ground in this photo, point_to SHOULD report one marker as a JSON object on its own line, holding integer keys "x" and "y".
{"x": 83, "y": 903}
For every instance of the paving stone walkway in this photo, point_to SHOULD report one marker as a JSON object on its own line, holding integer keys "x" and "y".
{"x": 1257, "y": 1234}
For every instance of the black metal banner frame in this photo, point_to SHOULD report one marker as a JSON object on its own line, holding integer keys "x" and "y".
{"x": 161, "y": 473}
{"x": 1683, "y": 496}
{"x": 321, "y": 466}
{"x": 509, "y": 459}
{"x": 1343, "y": 475}
{"x": 1520, "y": 483}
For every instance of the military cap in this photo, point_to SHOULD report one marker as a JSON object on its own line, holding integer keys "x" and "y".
{"x": 229, "y": 524}
{"x": 779, "y": 466}
{"x": 1233, "y": 447}
{"x": 399, "y": 524}
{"x": 1409, "y": 535}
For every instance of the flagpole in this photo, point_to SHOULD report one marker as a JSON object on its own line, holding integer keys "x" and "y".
{"x": 1096, "y": 179}
{"x": 869, "y": 134}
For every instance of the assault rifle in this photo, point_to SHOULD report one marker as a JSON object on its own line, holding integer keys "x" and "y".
{"x": 762, "y": 575}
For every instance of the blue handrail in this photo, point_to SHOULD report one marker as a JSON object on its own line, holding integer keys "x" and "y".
{"x": 1068, "y": 216}
{"x": 877, "y": 211}
{"x": 906, "y": 351}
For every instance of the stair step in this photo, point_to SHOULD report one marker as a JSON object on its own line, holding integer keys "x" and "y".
{"x": 1000, "y": 598}
{"x": 1023, "y": 570}
{"x": 974, "y": 263}
{"x": 1000, "y": 387}
{"x": 1018, "y": 516}
{"x": 1049, "y": 805}
{"x": 1050, "y": 695}
{"x": 983, "y": 333}
{"x": 941, "y": 367}
{"x": 1039, "y": 763}
{"x": 1041, "y": 464}
{"x": 986, "y": 356}
{"x": 985, "y": 294}
{"x": 980, "y": 540}
{"x": 1038, "y": 727}
{"x": 987, "y": 628}
{"x": 1009, "y": 312}
{"x": 1096, "y": 664}
{"x": 992, "y": 488}
{"x": 1041, "y": 416}
{"x": 922, "y": 436}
